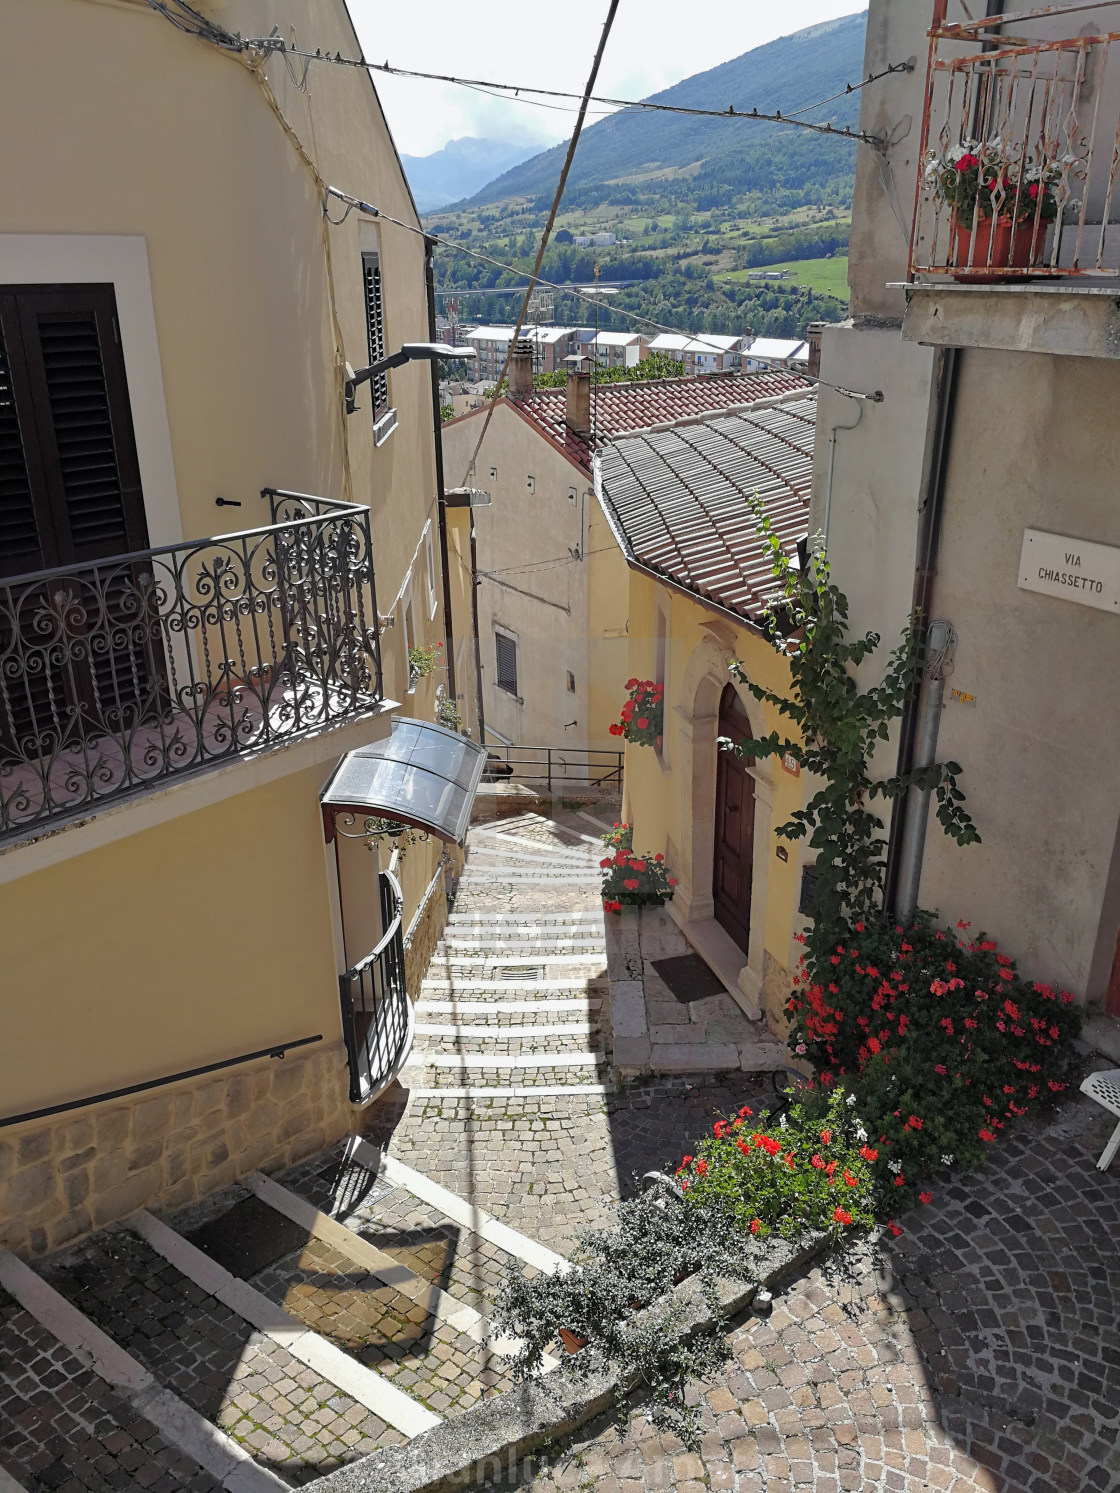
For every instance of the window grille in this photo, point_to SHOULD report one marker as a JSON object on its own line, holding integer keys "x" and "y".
{"x": 506, "y": 651}
{"x": 375, "y": 331}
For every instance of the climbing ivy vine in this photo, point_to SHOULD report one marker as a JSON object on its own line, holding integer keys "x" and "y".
{"x": 835, "y": 730}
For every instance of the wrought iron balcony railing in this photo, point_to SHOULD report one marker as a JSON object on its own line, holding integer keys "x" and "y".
{"x": 1020, "y": 147}
{"x": 123, "y": 674}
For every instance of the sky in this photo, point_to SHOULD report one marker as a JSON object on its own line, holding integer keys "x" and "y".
{"x": 653, "y": 43}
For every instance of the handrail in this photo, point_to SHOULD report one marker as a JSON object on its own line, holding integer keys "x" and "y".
{"x": 276, "y": 1051}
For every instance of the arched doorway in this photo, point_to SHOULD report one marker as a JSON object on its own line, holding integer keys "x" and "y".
{"x": 732, "y": 868}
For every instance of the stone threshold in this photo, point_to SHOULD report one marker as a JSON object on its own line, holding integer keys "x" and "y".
{"x": 495, "y": 1434}
{"x": 651, "y": 1031}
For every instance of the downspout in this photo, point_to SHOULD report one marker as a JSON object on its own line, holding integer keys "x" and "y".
{"x": 477, "y": 640}
{"x": 921, "y": 713}
{"x": 441, "y": 496}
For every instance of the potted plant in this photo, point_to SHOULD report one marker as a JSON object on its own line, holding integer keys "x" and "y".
{"x": 422, "y": 659}
{"x": 1000, "y": 210}
{"x": 632, "y": 880}
{"x": 643, "y": 714}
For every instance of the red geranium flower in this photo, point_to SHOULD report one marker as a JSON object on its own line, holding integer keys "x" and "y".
{"x": 756, "y": 1224}
{"x": 894, "y": 1228}
{"x": 841, "y": 1215}
{"x": 926, "y": 1197}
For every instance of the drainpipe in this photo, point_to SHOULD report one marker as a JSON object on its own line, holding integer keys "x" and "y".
{"x": 940, "y": 642}
{"x": 930, "y": 512}
{"x": 441, "y": 496}
{"x": 477, "y": 640}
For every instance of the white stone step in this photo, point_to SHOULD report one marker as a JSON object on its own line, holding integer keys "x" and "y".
{"x": 503, "y": 1008}
{"x": 423, "y": 1058}
{"x": 578, "y": 915}
{"x": 515, "y": 959}
{"x": 513, "y": 1091}
{"x": 432, "y": 986}
{"x": 480, "y": 1032}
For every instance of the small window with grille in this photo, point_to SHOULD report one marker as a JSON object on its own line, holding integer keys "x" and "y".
{"x": 375, "y": 339}
{"x": 571, "y": 682}
{"x": 505, "y": 650}
{"x": 430, "y": 566}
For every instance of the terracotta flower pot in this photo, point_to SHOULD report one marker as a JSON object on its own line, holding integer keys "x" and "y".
{"x": 572, "y": 1340}
{"x": 660, "y": 742}
{"x": 997, "y": 245}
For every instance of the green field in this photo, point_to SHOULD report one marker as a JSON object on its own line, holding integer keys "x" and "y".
{"x": 825, "y": 276}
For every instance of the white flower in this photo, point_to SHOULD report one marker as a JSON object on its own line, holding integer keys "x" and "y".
{"x": 851, "y": 1100}
{"x": 947, "y": 1159}
{"x": 784, "y": 1123}
{"x": 895, "y": 1166}
{"x": 861, "y": 1133}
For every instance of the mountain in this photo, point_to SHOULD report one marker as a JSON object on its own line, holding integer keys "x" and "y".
{"x": 460, "y": 168}
{"x": 634, "y": 155}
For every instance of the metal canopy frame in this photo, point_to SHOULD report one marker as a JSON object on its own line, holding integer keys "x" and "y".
{"x": 422, "y": 775}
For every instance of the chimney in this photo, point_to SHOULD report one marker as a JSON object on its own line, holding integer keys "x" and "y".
{"x": 577, "y": 415}
{"x": 521, "y": 369}
{"x": 813, "y": 338}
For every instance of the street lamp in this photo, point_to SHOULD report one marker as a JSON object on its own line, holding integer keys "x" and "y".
{"x": 408, "y": 353}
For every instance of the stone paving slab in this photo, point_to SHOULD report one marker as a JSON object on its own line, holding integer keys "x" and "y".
{"x": 286, "y": 1416}
{"x": 64, "y": 1430}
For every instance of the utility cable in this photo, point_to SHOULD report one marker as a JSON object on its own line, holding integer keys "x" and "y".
{"x": 514, "y": 91}
{"x": 553, "y": 210}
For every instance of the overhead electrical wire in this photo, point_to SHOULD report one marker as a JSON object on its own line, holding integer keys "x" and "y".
{"x": 181, "y": 14}
{"x": 553, "y": 210}
{"x": 185, "y": 18}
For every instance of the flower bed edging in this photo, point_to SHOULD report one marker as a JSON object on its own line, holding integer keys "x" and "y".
{"x": 495, "y": 1434}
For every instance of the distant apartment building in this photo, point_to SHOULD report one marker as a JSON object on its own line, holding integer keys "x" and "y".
{"x": 551, "y": 345}
{"x": 776, "y": 352}
{"x": 711, "y": 352}
{"x": 619, "y": 349}
{"x": 596, "y": 240}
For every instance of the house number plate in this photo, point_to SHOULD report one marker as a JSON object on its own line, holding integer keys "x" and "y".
{"x": 1073, "y": 569}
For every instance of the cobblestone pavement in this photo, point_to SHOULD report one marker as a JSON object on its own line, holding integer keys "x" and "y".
{"x": 978, "y": 1353}
{"x": 63, "y": 1430}
{"x": 282, "y": 1412}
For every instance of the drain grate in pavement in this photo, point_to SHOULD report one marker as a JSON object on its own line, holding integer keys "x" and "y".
{"x": 248, "y": 1237}
{"x": 688, "y": 977}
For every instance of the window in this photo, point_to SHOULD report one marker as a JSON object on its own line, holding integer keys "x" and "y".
{"x": 493, "y": 474}
{"x": 69, "y": 494}
{"x": 531, "y": 484}
{"x": 571, "y": 683}
{"x": 430, "y": 563}
{"x": 375, "y": 333}
{"x": 506, "y": 653}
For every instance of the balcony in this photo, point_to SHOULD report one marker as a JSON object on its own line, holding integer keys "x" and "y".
{"x": 1017, "y": 188}
{"x": 127, "y": 674}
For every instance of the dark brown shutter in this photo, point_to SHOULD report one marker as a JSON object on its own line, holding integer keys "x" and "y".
{"x": 375, "y": 330}
{"x": 506, "y": 651}
{"x": 20, "y": 551}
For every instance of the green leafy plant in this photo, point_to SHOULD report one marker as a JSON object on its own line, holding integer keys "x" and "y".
{"x": 448, "y": 713}
{"x": 643, "y": 713}
{"x": 837, "y": 726}
{"x": 423, "y": 658}
{"x": 979, "y": 175}
{"x": 629, "y": 879}
{"x": 446, "y": 412}
{"x": 939, "y": 1036}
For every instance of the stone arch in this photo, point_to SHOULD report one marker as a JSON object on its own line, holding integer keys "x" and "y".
{"x": 705, "y": 676}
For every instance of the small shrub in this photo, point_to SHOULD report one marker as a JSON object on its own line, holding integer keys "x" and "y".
{"x": 942, "y": 1040}
{"x": 643, "y": 714}
{"x": 422, "y": 659}
{"x": 629, "y": 879}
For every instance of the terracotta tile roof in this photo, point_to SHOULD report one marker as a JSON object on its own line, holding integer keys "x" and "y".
{"x": 632, "y": 406}
{"x": 676, "y": 498}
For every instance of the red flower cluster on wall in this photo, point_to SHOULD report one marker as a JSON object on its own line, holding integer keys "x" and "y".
{"x": 643, "y": 713}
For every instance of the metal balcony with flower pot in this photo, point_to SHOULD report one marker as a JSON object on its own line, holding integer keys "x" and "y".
{"x": 1017, "y": 185}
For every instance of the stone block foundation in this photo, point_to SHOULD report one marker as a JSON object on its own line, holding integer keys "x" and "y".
{"x": 64, "y": 1177}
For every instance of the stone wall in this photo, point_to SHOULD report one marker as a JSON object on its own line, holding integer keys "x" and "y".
{"x": 777, "y": 984}
{"x": 62, "y": 1178}
{"x": 431, "y": 919}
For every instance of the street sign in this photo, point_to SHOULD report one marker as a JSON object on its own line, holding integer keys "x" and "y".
{"x": 1073, "y": 569}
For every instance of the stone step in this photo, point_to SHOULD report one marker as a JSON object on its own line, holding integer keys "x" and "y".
{"x": 65, "y": 1426}
{"x": 521, "y": 943}
{"x": 514, "y": 1044}
{"x": 454, "y": 1061}
{"x": 241, "y": 1368}
{"x": 517, "y": 1010}
{"x": 499, "y": 1029}
{"x": 521, "y": 987}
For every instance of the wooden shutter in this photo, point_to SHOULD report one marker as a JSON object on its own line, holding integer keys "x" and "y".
{"x": 375, "y": 330}
{"x": 20, "y": 551}
{"x": 506, "y": 650}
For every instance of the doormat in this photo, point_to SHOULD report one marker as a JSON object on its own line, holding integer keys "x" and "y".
{"x": 688, "y": 977}
{"x": 249, "y": 1237}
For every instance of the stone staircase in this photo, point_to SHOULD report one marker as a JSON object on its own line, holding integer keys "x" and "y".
{"x": 511, "y": 1003}
{"x": 289, "y": 1325}
{"x": 258, "y": 1340}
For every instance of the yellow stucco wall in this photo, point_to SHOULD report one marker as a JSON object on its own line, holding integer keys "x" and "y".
{"x": 660, "y": 795}
{"x": 187, "y": 943}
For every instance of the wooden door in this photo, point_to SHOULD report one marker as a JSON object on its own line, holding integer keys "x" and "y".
{"x": 733, "y": 866}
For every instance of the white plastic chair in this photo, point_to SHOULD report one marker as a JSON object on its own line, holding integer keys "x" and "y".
{"x": 1105, "y": 1089}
